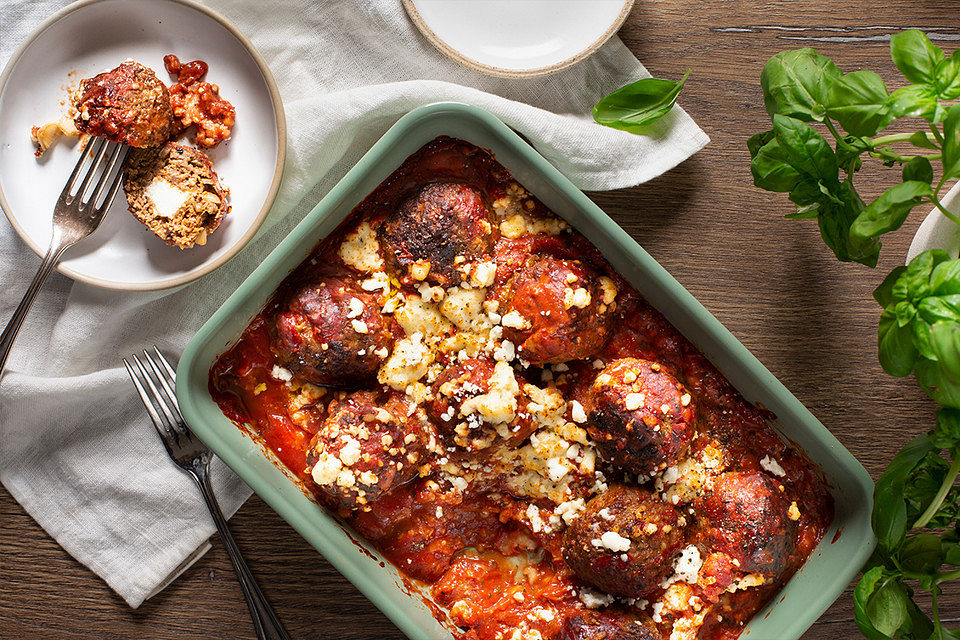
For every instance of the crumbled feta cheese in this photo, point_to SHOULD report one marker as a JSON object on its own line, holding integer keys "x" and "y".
{"x": 634, "y": 401}
{"x": 614, "y": 541}
{"x": 576, "y": 297}
{"x": 592, "y": 599}
{"x": 515, "y": 321}
{"x": 499, "y": 404}
{"x": 577, "y": 413}
{"x": 772, "y": 466}
{"x": 280, "y": 373}
{"x": 361, "y": 250}
{"x": 356, "y": 308}
{"x": 359, "y": 326}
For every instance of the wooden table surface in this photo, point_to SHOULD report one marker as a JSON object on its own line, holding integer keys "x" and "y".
{"x": 771, "y": 281}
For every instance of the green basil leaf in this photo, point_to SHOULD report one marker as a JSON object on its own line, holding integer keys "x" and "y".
{"x": 806, "y": 150}
{"x": 948, "y": 78}
{"x": 936, "y": 384}
{"x": 895, "y": 347}
{"x": 889, "y": 608}
{"x": 945, "y": 278}
{"x": 934, "y": 308}
{"x": 889, "y": 518}
{"x": 915, "y": 101}
{"x": 945, "y": 343}
{"x": 920, "y": 139}
{"x": 890, "y": 210}
{"x": 639, "y": 104}
{"x": 758, "y": 140}
{"x": 921, "y": 553}
{"x": 951, "y": 143}
{"x": 861, "y": 598}
{"x": 795, "y": 84}
{"x": 905, "y": 312}
{"x": 946, "y": 435}
{"x": 952, "y": 554}
{"x": 883, "y": 294}
{"x": 771, "y": 169}
{"x": 915, "y": 56}
{"x": 915, "y": 281}
{"x": 835, "y": 216}
{"x": 859, "y": 102}
{"x": 923, "y": 484}
{"x": 918, "y": 169}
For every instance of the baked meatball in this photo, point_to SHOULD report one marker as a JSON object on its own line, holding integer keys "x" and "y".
{"x": 439, "y": 234}
{"x": 128, "y": 104}
{"x": 475, "y": 401}
{"x": 624, "y": 541}
{"x": 609, "y": 625}
{"x": 556, "y": 310}
{"x": 368, "y": 445}
{"x": 640, "y": 416}
{"x": 332, "y": 333}
{"x": 745, "y": 515}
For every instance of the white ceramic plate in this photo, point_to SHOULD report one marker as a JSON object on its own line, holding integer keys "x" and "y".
{"x": 518, "y": 38}
{"x": 92, "y": 36}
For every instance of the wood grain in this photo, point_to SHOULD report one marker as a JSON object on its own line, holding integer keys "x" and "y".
{"x": 772, "y": 282}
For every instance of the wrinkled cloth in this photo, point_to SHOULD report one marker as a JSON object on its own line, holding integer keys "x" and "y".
{"x": 76, "y": 447}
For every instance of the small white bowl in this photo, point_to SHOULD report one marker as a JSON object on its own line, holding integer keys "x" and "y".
{"x": 518, "y": 38}
{"x": 92, "y": 36}
{"x": 938, "y": 231}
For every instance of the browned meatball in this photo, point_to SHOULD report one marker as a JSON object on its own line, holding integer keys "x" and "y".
{"x": 624, "y": 541}
{"x": 467, "y": 420}
{"x": 128, "y": 104}
{"x": 556, "y": 310}
{"x": 368, "y": 445}
{"x": 609, "y": 625}
{"x": 437, "y": 234}
{"x": 640, "y": 416}
{"x": 744, "y": 515}
{"x": 332, "y": 333}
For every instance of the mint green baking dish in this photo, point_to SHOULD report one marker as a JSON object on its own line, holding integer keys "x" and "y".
{"x": 830, "y": 568}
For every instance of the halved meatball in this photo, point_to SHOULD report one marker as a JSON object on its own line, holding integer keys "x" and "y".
{"x": 437, "y": 234}
{"x": 476, "y": 401}
{"x": 624, "y": 541}
{"x": 556, "y": 310}
{"x": 368, "y": 445}
{"x": 745, "y": 515}
{"x": 128, "y": 104}
{"x": 609, "y": 625}
{"x": 332, "y": 333}
{"x": 640, "y": 416}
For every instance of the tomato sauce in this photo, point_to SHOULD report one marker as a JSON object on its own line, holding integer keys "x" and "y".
{"x": 496, "y": 576}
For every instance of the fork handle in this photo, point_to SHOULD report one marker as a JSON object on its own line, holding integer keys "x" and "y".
{"x": 13, "y": 326}
{"x": 265, "y": 621}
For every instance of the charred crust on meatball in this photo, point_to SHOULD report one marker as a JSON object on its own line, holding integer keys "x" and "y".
{"x": 641, "y": 417}
{"x": 437, "y": 233}
{"x": 624, "y": 541}
{"x": 745, "y": 515}
{"x": 128, "y": 104}
{"x": 610, "y": 624}
{"x": 331, "y": 332}
{"x": 556, "y": 310}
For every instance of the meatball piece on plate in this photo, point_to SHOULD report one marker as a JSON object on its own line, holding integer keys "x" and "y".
{"x": 624, "y": 541}
{"x": 174, "y": 191}
{"x": 367, "y": 446}
{"x": 332, "y": 333}
{"x": 745, "y": 515}
{"x": 640, "y": 416}
{"x": 439, "y": 234}
{"x": 128, "y": 104}
{"x": 556, "y": 310}
{"x": 609, "y": 624}
{"x": 475, "y": 401}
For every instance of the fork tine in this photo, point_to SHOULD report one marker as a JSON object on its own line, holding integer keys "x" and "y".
{"x": 87, "y": 151}
{"x": 90, "y": 173}
{"x": 159, "y": 400}
{"x": 162, "y": 428}
{"x": 116, "y": 158}
{"x": 166, "y": 365}
{"x": 165, "y": 384}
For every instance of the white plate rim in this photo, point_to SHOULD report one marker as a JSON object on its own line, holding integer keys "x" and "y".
{"x": 450, "y": 52}
{"x": 281, "y": 127}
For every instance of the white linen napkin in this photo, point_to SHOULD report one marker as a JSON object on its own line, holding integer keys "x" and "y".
{"x": 76, "y": 447}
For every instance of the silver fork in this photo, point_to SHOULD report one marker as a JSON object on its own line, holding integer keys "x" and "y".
{"x": 74, "y": 218}
{"x": 155, "y": 382}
